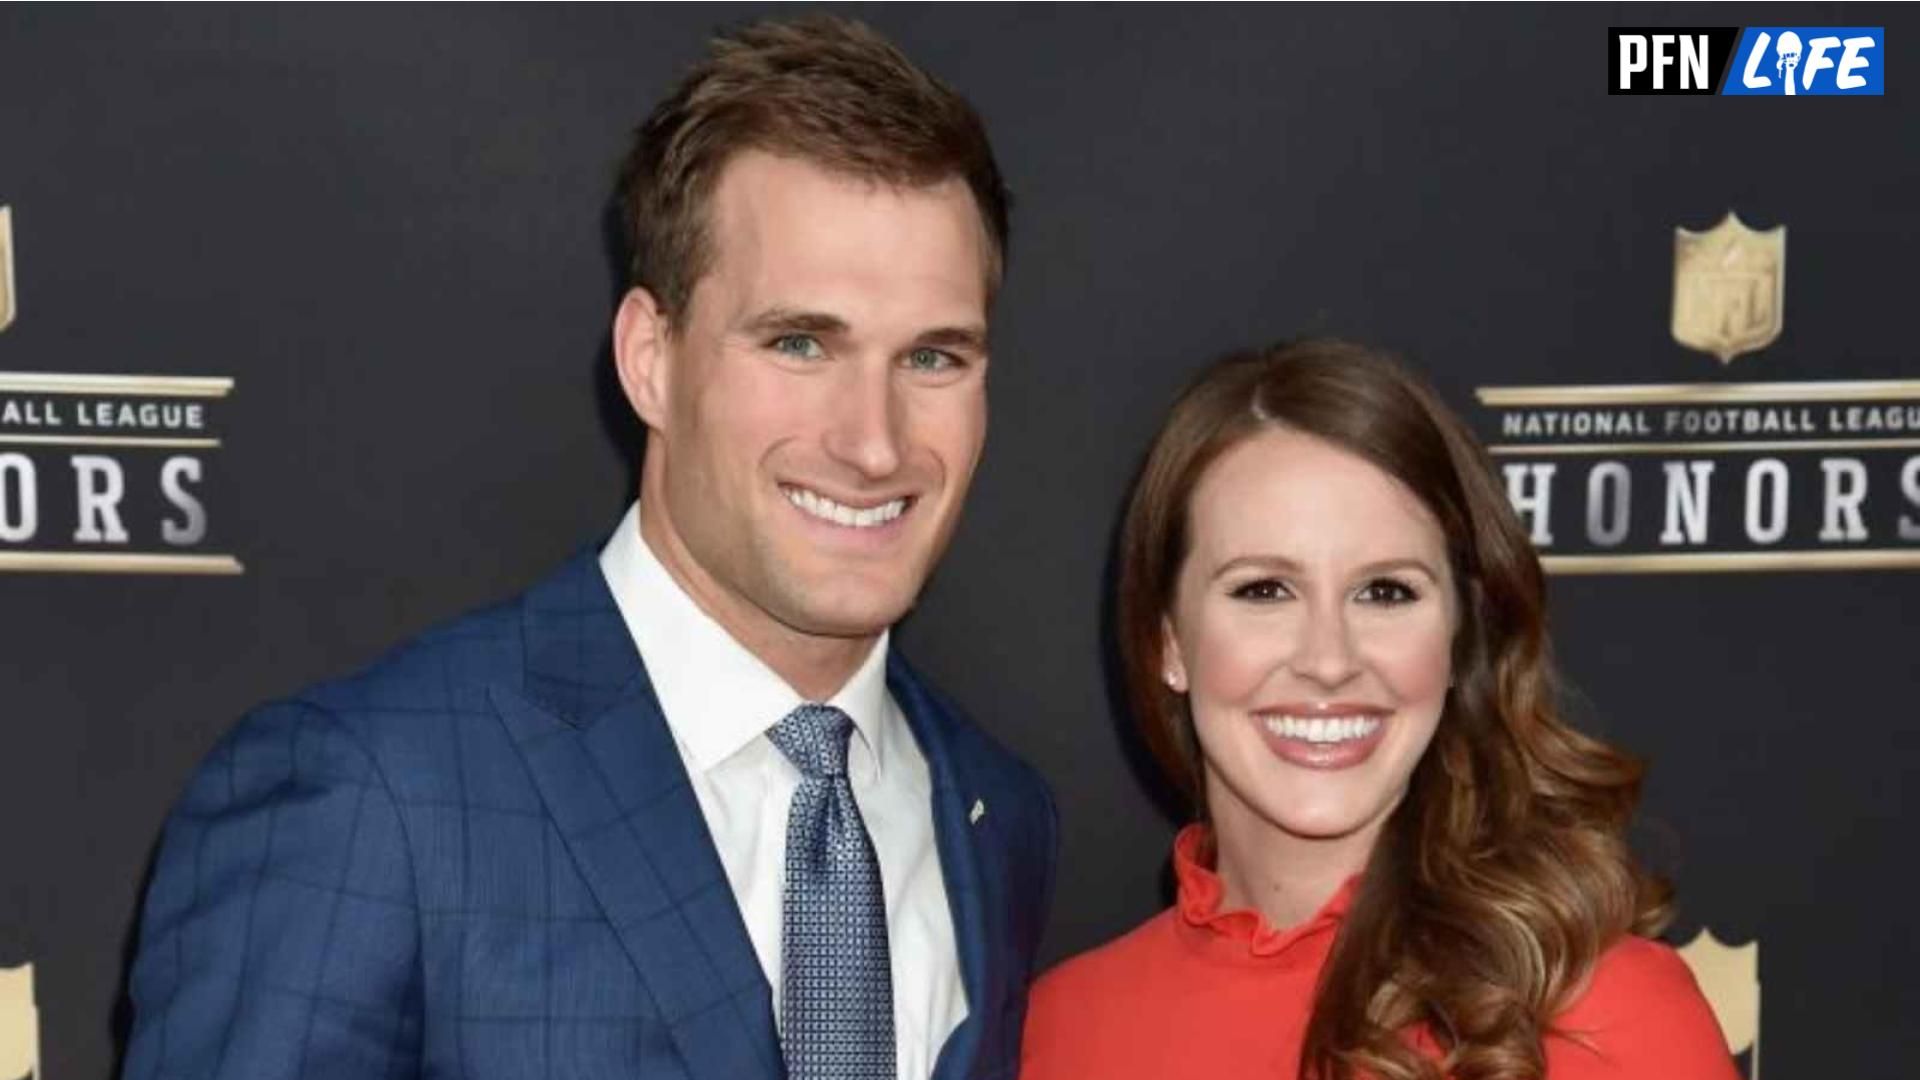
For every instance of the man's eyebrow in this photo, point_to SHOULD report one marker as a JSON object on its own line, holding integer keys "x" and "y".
{"x": 780, "y": 320}
{"x": 783, "y": 320}
{"x": 954, "y": 337}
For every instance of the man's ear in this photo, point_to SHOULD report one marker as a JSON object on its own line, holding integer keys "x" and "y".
{"x": 640, "y": 344}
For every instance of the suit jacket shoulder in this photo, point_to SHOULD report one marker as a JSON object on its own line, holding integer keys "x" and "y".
{"x": 324, "y": 850}
{"x": 422, "y": 709}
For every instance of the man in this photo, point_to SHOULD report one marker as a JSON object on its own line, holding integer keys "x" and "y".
{"x": 679, "y": 810}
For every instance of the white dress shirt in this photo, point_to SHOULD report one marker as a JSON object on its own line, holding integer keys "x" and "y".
{"x": 720, "y": 701}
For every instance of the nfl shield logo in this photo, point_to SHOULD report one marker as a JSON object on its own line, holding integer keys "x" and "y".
{"x": 1730, "y": 978}
{"x": 1729, "y": 287}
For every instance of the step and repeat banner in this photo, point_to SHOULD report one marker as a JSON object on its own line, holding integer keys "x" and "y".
{"x": 303, "y": 347}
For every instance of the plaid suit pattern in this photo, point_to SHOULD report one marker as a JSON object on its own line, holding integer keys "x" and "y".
{"x": 481, "y": 858}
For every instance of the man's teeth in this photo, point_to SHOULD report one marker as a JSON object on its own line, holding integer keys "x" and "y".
{"x": 1323, "y": 729}
{"x": 827, "y": 510}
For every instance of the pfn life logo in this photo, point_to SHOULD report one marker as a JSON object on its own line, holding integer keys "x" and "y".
{"x": 1753, "y": 61}
{"x": 1795, "y": 61}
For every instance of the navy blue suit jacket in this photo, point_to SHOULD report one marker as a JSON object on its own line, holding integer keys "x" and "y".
{"x": 482, "y": 859}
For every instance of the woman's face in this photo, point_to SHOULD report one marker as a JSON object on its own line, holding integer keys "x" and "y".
{"x": 1312, "y": 629}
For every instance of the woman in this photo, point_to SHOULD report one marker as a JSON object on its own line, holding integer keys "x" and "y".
{"x": 1406, "y": 866}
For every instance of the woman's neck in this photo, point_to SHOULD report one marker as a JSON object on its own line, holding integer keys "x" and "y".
{"x": 1287, "y": 878}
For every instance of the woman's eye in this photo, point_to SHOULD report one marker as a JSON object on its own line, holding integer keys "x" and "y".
{"x": 932, "y": 360}
{"x": 1387, "y": 592}
{"x": 799, "y": 346}
{"x": 1265, "y": 589}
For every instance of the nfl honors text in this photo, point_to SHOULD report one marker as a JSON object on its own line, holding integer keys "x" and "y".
{"x": 1713, "y": 475}
{"x": 103, "y": 473}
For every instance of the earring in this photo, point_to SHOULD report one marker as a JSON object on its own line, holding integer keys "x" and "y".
{"x": 1174, "y": 681}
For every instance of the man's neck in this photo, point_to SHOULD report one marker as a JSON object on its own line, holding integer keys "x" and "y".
{"x": 816, "y": 666}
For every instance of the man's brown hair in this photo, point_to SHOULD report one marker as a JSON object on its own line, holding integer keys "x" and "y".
{"x": 820, "y": 88}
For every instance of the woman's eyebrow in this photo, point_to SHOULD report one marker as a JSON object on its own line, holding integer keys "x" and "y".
{"x": 1285, "y": 565}
{"x": 1407, "y": 562}
{"x": 1257, "y": 562}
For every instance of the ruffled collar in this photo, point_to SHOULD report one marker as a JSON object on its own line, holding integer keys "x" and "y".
{"x": 1202, "y": 892}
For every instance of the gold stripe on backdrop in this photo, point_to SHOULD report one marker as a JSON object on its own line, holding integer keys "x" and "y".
{"x": 109, "y": 440}
{"x": 118, "y": 562}
{"x": 1501, "y": 397}
{"x": 1709, "y": 562}
{"x": 1522, "y": 449}
{"x": 40, "y": 382}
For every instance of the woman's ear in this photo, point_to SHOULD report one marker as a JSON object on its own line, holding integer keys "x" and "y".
{"x": 1173, "y": 664}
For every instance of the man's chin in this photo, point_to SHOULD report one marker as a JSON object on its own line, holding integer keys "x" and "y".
{"x": 851, "y": 625}
{"x": 840, "y": 614}
{"x": 830, "y": 594}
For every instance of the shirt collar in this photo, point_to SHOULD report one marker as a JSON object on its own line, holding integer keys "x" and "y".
{"x": 1202, "y": 894}
{"x": 718, "y": 696}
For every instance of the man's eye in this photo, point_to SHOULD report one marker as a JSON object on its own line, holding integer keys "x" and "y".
{"x": 1265, "y": 589}
{"x": 1387, "y": 592}
{"x": 799, "y": 346}
{"x": 933, "y": 360}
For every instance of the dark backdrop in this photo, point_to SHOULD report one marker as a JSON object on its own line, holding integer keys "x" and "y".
{"x": 388, "y": 228}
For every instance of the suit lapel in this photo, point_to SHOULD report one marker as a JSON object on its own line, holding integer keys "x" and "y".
{"x": 590, "y": 729}
{"x": 973, "y": 915}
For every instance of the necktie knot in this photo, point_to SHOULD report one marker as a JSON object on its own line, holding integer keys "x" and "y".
{"x": 814, "y": 738}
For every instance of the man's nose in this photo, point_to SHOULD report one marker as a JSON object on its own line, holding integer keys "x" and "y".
{"x": 865, "y": 432}
{"x": 1324, "y": 652}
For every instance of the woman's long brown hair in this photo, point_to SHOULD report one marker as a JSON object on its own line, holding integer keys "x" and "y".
{"x": 1505, "y": 871}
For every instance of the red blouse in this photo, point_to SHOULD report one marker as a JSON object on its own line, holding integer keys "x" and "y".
{"x": 1200, "y": 992}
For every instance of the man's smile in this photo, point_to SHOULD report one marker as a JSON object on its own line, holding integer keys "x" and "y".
{"x": 871, "y": 515}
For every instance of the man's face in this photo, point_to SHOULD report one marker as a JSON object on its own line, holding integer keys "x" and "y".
{"x": 820, "y": 409}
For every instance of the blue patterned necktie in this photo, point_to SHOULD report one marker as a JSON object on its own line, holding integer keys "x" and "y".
{"x": 836, "y": 982}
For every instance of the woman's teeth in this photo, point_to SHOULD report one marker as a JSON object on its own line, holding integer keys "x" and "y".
{"x": 1323, "y": 729}
{"x": 827, "y": 510}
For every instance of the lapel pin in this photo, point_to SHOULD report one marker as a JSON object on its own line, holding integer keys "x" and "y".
{"x": 979, "y": 811}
